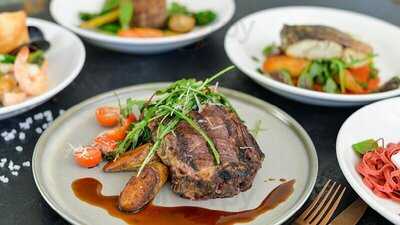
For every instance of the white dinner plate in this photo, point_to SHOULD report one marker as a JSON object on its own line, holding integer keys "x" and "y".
{"x": 378, "y": 120}
{"x": 66, "y": 13}
{"x": 66, "y": 57}
{"x": 289, "y": 151}
{"x": 247, "y": 38}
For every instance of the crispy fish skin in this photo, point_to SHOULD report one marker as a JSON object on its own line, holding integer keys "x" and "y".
{"x": 139, "y": 191}
{"x": 297, "y": 40}
{"x": 129, "y": 161}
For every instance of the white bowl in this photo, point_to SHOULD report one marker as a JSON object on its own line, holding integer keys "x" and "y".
{"x": 66, "y": 13}
{"x": 247, "y": 37}
{"x": 378, "y": 120}
{"x": 66, "y": 57}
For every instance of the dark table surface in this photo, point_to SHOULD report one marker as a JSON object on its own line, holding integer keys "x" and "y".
{"x": 20, "y": 201}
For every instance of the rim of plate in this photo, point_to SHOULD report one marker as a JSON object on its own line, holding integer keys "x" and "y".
{"x": 300, "y": 91}
{"x": 59, "y": 87}
{"x": 230, "y": 11}
{"x": 275, "y": 111}
{"x": 361, "y": 190}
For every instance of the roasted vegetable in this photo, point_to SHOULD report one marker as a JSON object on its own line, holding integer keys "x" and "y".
{"x": 140, "y": 190}
{"x": 181, "y": 23}
{"x": 101, "y": 20}
{"x": 205, "y": 17}
{"x": 351, "y": 84}
{"x": 130, "y": 161}
{"x": 392, "y": 84}
{"x": 141, "y": 33}
{"x": 126, "y": 9}
{"x": 294, "y": 66}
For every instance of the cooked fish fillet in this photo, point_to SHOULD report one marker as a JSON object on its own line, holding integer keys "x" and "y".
{"x": 316, "y": 41}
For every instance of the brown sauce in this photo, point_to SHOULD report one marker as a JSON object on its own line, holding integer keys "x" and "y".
{"x": 89, "y": 190}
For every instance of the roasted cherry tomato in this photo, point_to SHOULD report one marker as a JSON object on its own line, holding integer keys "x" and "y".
{"x": 88, "y": 156}
{"x": 108, "y": 116}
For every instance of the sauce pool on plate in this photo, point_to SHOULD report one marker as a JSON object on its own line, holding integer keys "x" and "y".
{"x": 89, "y": 190}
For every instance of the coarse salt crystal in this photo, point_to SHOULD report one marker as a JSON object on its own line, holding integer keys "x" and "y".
{"x": 17, "y": 167}
{"x": 21, "y": 136}
{"x": 4, "y": 133}
{"x": 11, "y": 165}
{"x": 19, "y": 148}
{"x": 14, "y": 131}
{"x": 38, "y": 130}
{"x": 14, "y": 173}
{"x": 44, "y": 126}
{"x": 38, "y": 116}
{"x": 2, "y": 164}
{"x": 29, "y": 120}
{"x": 26, "y": 164}
{"x": 3, "y": 160}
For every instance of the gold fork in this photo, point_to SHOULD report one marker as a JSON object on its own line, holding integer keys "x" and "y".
{"x": 324, "y": 205}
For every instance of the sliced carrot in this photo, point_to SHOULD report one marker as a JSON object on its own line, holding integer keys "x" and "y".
{"x": 294, "y": 66}
{"x": 373, "y": 84}
{"x": 361, "y": 74}
{"x": 317, "y": 87}
{"x": 351, "y": 83}
{"x": 141, "y": 33}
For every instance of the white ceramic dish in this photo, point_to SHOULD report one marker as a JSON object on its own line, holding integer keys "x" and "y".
{"x": 66, "y": 14}
{"x": 247, "y": 37}
{"x": 289, "y": 151}
{"x": 378, "y": 120}
{"x": 66, "y": 57}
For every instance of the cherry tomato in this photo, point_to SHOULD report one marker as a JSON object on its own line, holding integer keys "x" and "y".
{"x": 105, "y": 142}
{"x": 88, "y": 156}
{"x": 108, "y": 116}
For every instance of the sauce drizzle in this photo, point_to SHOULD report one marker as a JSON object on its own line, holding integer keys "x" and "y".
{"x": 89, "y": 190}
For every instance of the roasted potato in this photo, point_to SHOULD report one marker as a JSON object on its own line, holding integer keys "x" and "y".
{"x": 149, "y": 13}
{"x": 130, "y": 161}
{"x": 181, "y": 23}
{"x": 139, "y": 191}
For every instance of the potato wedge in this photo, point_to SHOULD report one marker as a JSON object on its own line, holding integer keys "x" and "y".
{"x": 130, "y": 161}
{"x": 139, "y": 191}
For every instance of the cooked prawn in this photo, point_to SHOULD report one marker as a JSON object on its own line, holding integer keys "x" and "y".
{"x": 12, "y": 98}
{"x": 31, "y": 79}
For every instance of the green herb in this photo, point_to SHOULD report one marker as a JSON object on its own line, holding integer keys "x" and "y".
{"x": 167, "y": 108}
{"x": 365, "y": 146}
{"x": 7, "y": 59}
{"x": 84, "y": 16}
{"x": 110, "y": 5}
{"x": 270, "y": 49}
{"x": 330, "y": 86}
{"x": 282, "y": 76}
{"x": 176, "y": 8}
{"x": 126, "y": 10}
{"x": 205, "y": 17}
{"x": 111, "y": 28}
{"x": 257, "y": 128}
{"x": 306, "y": 80}
{"x": 36, "y": 57}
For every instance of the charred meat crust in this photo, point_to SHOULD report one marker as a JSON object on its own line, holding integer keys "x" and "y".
{"x": 150, "y": 13}
{"x": 194, "y": 174}
{"x": 139, "y": 191}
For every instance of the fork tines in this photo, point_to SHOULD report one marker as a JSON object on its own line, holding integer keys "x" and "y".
{"x": 323, "y": 206}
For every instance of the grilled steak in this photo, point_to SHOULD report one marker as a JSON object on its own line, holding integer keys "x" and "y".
{"x": 316, "y": 42}
{"x": 194, "y": 174}
{"x": 150, "y": 13}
